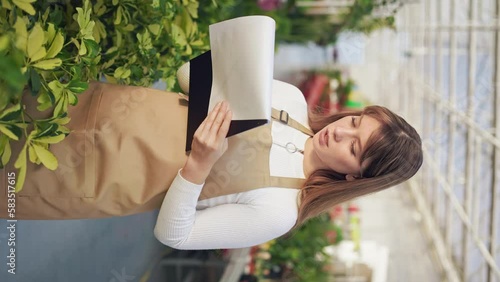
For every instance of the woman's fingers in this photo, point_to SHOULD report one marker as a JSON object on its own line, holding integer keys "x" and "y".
{"x": 219, "y": 118}
{"x": 214, "y": 119}
{"x": 207, "y": 122}
{"x": 216, "y": 123}
{"x": 226, "y": 122}
{"x": 209, "y": 142}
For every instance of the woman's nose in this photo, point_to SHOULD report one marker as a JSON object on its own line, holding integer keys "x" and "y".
{"x": 341, "y": 132}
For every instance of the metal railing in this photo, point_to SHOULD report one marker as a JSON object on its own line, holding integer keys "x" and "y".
{"x": 447, "y": 87}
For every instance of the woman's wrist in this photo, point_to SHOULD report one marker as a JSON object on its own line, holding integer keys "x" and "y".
{"x": 193, "y": 172}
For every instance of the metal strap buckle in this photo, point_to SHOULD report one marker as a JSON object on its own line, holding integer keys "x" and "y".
{"x": 282, "y": 119}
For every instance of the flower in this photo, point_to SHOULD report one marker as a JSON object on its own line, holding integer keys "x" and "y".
{"x": 268, "y": 5}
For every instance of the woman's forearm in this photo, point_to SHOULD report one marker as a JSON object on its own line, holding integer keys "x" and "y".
{"x": 177, "y": 213}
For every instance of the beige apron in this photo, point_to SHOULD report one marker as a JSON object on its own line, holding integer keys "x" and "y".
{"x": 125, "y": 148}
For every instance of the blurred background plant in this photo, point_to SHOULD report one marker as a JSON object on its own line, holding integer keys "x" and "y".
{"x": 329, "y": 90}
{"x": 296, "y": 21}
{"x": 299, "y": 256}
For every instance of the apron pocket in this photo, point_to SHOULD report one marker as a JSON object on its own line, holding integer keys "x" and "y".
{"x": 75, "y": 174}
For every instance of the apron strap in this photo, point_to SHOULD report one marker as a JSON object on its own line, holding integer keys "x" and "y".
{"x": 288, "y": 182}
{"x": 286, "y": 119}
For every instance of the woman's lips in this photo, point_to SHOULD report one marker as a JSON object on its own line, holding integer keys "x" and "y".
{"x": 323, "y": 138}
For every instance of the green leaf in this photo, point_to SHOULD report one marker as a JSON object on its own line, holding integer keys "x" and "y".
{"x": 7, "y": 152}
{"x": 192, "y": 8}
{"x": 6, "y": 5}
{"x": 50, "y": 33}
{"x": 129, "y": 27}
{"x": 92, "y": 47}
{"x": 119, "y": 38}
{"x": 77, "y": 86}
{"x": 18, "y": 123}
{"x": 61, "y": 106}
{"x": 46, "y": 129}
{"x": 45, "y": 100}
{"x": 178, "y": 35}
{"x": 99, "y": 31}
{"x": 25, "y": 5}
{"x": 32, "y": 154}
{"x": 11, "y": 113}
{"x": 35, "y": 82}
{"x": 6, "y": 130}
{"x": 16, "y": 129}
{"x": 72, "y": 98}
{"x": 21, "y": 159}
{"x": 56, "y": 16}
{"x": 99, "y": 8}
{"x": 122, "y": 73}
{"x": 4, "y": 42}
{"x": 197, "y": 43}
{"x": 154, "y": 28}
{"x": 118, "y": 18}
{"x": 48, "y": 159}
{"x": 112, "y": 50}
{"x": 62, "y": 120}
{"x": 51, "y": 139}
{"x": 136, "y": 70}
{"x": 83, "y": 19}
{"x": 56, "y": 46}
{"x": 36, "y": 38}
{"x": 21, "y": 177}
{"x": 22, "y": 166}
{"x": 144, "y": 41}
{"x": 82, "y": 49}
{"x": 110, "y": 79}
{"x": 48, "y": 64}
{"x": 76, "y": 70}
{"x": 21, "y": 34}
{"x": 63, "y": 130}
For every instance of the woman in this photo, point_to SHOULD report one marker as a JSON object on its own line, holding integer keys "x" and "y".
{"x": 126, "y": 148}
{"x": 350, "y": 154}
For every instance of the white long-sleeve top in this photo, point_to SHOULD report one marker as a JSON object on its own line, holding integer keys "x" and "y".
{"x": 241, "y": 219}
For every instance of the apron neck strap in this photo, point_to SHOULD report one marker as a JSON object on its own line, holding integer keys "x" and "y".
{"x": 283, "y": 116}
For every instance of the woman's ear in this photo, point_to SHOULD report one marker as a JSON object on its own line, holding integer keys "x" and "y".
{"x": 350, "y": 177}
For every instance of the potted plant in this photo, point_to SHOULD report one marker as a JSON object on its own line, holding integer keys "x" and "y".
{"x": 299, "y": 256}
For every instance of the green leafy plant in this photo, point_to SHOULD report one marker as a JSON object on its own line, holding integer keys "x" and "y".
{"x": 300, "y": 255}
{"x": 295, "y": 24}
{"x": 53, "y": 49}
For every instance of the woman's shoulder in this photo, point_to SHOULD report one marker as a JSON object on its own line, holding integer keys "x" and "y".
{"x": 284, "y": 92}
{"x": 289, "y": 98}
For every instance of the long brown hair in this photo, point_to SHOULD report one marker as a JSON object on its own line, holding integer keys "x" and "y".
{"x": 393, "y": 154}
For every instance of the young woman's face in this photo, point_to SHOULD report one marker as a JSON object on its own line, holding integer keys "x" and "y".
{"x": 340, "y": 144}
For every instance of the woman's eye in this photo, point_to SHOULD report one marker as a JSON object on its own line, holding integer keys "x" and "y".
{"x": 352, "y": 148}
{"x": 353, "y": 123}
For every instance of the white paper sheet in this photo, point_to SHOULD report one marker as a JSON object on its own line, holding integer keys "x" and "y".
{"x": 242, "y": 64}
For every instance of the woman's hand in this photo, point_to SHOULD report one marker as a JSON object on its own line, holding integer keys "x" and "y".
{"x": 209, "y": 143}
